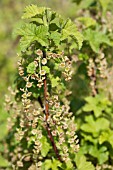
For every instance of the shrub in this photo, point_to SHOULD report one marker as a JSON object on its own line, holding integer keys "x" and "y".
{"x": 43, "y": 133}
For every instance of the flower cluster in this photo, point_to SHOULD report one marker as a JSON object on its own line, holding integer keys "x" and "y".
{"x": 92, "y": 71}
{"x": 63, "y": 127}
{"x": 28, "y": 119}
{"x": 39, "y": 67}
{"x": 104, "y": 166}
{"x": 31, "y": 122}
{"x": 20, "y": 68}
{"x": 97, "y": 68}
{"x": 101, "y": 65}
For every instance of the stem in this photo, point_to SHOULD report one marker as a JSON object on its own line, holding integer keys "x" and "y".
{"x": 40, "y": 65}
{"x": 45, "y": 100}
{"x": 94, "y": 79}
{"x": 47, "y": 125}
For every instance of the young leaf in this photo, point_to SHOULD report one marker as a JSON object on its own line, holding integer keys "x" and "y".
{"x": 26, "y": 30}
{"x": 32, "y": 10}
{"x": 47, "y": 69}
{"x": 41, "y": 35}
{"x": 24, "y": 43}
{"x": 31, "y": 68}
{"x": 55, "y": 36}
{"x": 54, "y": 81}
{"x": 70, "y": 30}
{"x": 30, "y": 33}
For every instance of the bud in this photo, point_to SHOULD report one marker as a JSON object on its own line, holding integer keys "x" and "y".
{"x": 44, "y": 61}
{"x": 39, "y": 52}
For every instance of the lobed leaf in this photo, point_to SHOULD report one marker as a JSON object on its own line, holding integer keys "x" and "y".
{"x": 95, "y": 126}
{"x": 95, "y": 39}
{"x": 100, "y": 153}
{"x": 70, "y": 30}
{"x": 82, "y": 163}
{"x": 32, "y": 10}
{"x": 30, "y": 33}
{"x": 55, "y": 36}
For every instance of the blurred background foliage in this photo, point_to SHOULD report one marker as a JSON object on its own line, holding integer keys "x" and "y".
{"x": 10, "y": 14}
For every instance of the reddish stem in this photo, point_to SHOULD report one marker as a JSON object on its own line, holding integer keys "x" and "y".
{"x": 94, "y": 78}
{"x": 45, "y": 100}
{"x": 47, "y": 125}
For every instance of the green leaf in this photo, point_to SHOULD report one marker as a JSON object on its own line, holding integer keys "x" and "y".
{"x": 47, "y": 69}
{"x": 69, "y": 165}
{"x": 105, "y": 4}
{"x": 45, "y": 146}
{"x": 30, "y": 33}
{"x": 47, "y": 164}
{"x": 32, "y": 10}
{"x": 27, "y": 30}
{"x": 106, "y": 136}
{"x": 100, "y": 153}
{"x": 97, "y": 104}
{"x": 4, "y": 130}
{"x": 95, "y": 39}
{"x": 85, "y": 4}
{"x": 25, "y": 43}
{"x": 89, "y": 137}
{"x": 56, "y": 21}
{"x": 3, "y": 162}
{"x": 51, "y": 164}
{"x": 41, "y": 35}
{"x": 70, "y": 30}
{"x": 31, "y": 68}
{"x": 55, "y": 81}
{"x": 55, "y": 164}
{"x": 92, "y": 107}
{"x": 79, "y": 38}
{"x": 82, "y": 163}
{"x": 87, "y": 21}
{"x": 83, "y": 57}
{"x": 38, "y": 20}
{"x": 55, "y": 36}
{"x": 95, "y": 126}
